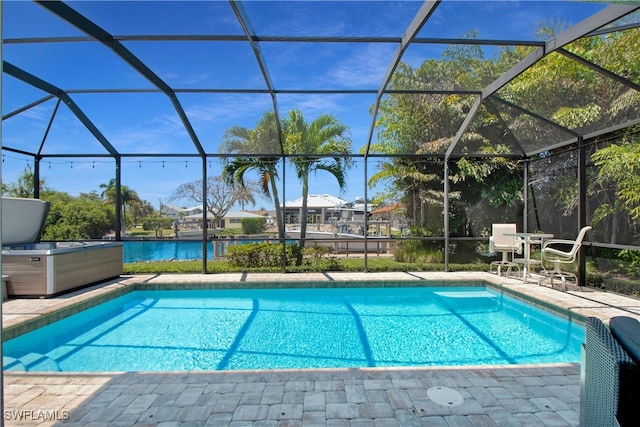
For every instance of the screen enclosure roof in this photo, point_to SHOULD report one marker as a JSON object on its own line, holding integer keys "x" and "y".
{"x": 169, "y": 78}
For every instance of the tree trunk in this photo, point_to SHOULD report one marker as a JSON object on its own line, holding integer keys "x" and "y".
{"x": 305, "y": 209}
{"x": 123, "y": 231}
{"x": 303, "y": 218}
{"x": 276, "y": 201}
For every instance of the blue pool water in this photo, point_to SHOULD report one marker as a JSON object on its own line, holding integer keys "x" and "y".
{"x": 298, "y": 328}
{"x": 163, "y": 250}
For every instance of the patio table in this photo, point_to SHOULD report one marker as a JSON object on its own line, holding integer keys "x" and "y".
{"x": 529, "y": 239}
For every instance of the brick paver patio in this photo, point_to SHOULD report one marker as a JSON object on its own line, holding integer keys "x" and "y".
{"x": 531, "y": 395}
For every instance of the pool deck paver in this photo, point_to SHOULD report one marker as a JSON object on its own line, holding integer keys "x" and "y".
{"x": 525, "y": 395}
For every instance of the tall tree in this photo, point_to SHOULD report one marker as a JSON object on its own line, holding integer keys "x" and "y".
{"x": 77, "y": 218}
{"x": 323, "y": 145}
{"x": 220, "y": 197}
{"x": 69, "y": 218}
{"x": 127, "y": 196}
{"x": 423, "y": 125}
{"x": 140, "y": 210}
{"x": 24, "y": 186}
{"x": 582, "y": 99}
{"x": 620, "y": 164}
{"x": 256, "y": 150}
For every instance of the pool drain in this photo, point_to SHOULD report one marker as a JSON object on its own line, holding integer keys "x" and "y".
{"x": 445, "y": 396}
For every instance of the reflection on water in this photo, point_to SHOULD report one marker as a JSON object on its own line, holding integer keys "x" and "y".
{"x": 172, "y": 330}
{"x": 168, "y": 250}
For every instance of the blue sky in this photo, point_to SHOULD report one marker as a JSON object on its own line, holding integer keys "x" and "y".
{"x": 137, "y": 123}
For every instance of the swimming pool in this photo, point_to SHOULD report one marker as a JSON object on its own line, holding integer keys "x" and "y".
{"x": 163, "y": 250}
{"x": 298, "y": 328}
{"x": 183, "y": 250}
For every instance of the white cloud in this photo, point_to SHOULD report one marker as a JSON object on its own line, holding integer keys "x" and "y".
{"x": 228, "y": 107}
{"x": 365, "y": 67}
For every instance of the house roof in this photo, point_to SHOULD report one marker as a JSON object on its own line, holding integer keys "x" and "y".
{"x": 170, "y": 208}
{"x": 230, "y": 214}
{"x": 389, "y": 208}
{"x": 180, "y": 209}
{"x": 317, "y": 201}
{"x": 191, "y": 209}
{"x": 242, "y": 214}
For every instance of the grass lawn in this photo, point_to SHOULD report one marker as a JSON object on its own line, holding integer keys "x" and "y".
{"x": 333, "y": 264}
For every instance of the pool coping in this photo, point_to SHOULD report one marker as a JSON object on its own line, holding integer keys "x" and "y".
{"x": 546, "y": 394}
{"x": 21, "y": 316}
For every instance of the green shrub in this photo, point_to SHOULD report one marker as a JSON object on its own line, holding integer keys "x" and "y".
{"x": 330, "y": 263}
{"x": 418, "y": 251}
{"x": 253, "y": 225}
{"x": 631, "y": 260}
{"x": 258, "y": 255}
{"x": 316, "y": 252}
{"x": 618, "y": 285}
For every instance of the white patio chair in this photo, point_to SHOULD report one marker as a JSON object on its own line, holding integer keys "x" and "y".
{"x": 498, "y": 242}
{"x": 555, "y": 250}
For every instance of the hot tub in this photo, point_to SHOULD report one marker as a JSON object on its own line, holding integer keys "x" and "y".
{"x": 43, "y": 269}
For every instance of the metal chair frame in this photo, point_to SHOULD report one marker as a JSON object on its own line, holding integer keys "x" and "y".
{"x": 551, "y": 252}
{"x": 498, "y": 242}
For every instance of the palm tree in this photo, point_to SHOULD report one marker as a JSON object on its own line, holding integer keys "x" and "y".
{"x": 127, "y": 196}
{"x": 326, "y": 143}
{"x": 257, "y": 150}
{"x": 244, "y": 195}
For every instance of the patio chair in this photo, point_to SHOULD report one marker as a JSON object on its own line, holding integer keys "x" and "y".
{"x": 555, "y": 250}
{"x": 498, "y": 242}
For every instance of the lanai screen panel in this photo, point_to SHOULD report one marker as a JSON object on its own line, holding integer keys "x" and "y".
{"x": 531, "y": 131}
{"x": 331, "y": 18}
{"x": 550, "y": 210}
{"x": 460, "y": 65}
{"x": 488, "y": 135}
{"x": 137, "y": 123}
{"x": 162, "y": 18}
{"x": 46, "y": 129}
{"x": 570, "y": 95}
{"x": 199, "y": 68}
{"x": 419, "y": 124}
{"x": 612, "y": 222}
{"x": 74, "y": 65}
{"x": 201, "y": 65}
{"x": 213, "y": 114}
{"x": 609, "y": 63}
{"x": 502, "y": 20}
{"x": 350, "y": 110}
{"x": 296, "y": 48}
{"x": 327, "y": 66}
{"x": 614, "y": 52}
